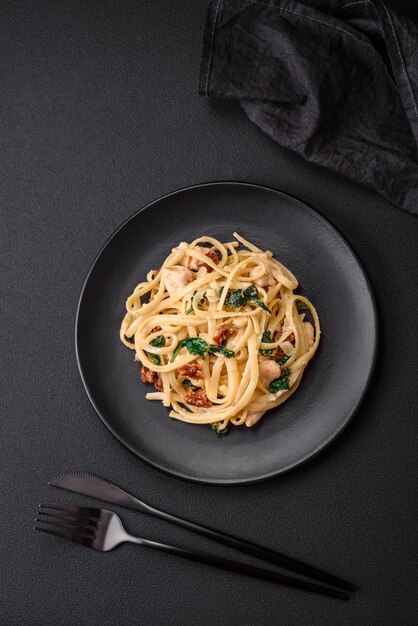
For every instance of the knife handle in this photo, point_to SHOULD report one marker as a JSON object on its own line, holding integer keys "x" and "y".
{"x": 252, "y": 549}
{"x": 241, "y": 568}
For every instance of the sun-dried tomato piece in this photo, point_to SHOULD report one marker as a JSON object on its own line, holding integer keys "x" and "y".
{"x": 279, "y": 353}
{"x": 147, "y": 375}
{"x": 191, "y": 370}
{"x": 197, "y": 398}
{"x": 158, "y": 383}
{"x": 196, "y": 263}
{"x": 213, "y": 257}
{"x": 223, "y": 333}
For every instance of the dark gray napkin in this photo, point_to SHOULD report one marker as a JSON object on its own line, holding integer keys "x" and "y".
{"x": 334, "y": 80}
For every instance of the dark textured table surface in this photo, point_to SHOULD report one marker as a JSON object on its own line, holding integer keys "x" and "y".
{"x": 99, "y": 115}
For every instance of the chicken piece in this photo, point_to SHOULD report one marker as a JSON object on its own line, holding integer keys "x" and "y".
{"x": 268, "y": 371}
{"x": 223, "y": 333}
{"x": 262, "y": 281}
{"x": 175, "y": 278}
{"x": 191, "y": 370}
{"x": 197, "y": 398}
{"x": 195, "y": 264}
{"x": 310, "y": 332}
{"x": 253, "y": 418}
{"x": 184, "y": 261}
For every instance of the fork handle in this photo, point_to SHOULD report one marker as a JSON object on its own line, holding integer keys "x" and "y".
{"x": 241, "y": 568}
{"x": 252, "y": 549}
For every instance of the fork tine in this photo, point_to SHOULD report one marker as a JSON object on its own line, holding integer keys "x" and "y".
{"x": 84, "y": 541}
{"x": 70, "y": 528}
{"x": 70, "y": 519}
{"x": 78, "y": 510}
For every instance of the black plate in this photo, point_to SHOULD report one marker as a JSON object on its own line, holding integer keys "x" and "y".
{"x": 332, "y": 387}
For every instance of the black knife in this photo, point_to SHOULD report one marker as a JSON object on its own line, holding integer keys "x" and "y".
{"x": 99, "y": 488}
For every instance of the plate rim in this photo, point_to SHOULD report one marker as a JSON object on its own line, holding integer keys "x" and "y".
{"x": 309, "y": 455}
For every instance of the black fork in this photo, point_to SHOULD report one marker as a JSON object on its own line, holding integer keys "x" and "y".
{"x": 102, "y": 530}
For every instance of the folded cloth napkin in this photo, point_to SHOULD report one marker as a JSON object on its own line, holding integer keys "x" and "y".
{"x": 334, "y": 80}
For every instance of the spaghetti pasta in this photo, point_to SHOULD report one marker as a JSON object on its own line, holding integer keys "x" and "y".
{"x": 220, "y": 332}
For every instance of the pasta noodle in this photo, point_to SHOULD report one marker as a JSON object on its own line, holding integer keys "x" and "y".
{"x": 220, "y": 332}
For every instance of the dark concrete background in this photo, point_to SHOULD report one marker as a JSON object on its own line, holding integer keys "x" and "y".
{"x": 99, "y": 114}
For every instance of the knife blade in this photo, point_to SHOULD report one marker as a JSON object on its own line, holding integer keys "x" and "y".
{"x": 99, "y": 488}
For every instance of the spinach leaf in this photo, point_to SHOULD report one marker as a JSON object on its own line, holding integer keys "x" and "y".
{"x": 158, "y": 342}
{"x": 154, "y": 357}
{"x": 191, "y": 305}
{"x": 224, "y": 431}
{"x": 283, "y": 360}
{"x": 239, "y": 297}
{"x": 234, "y": 299}
{"x": 201, "y": 302}
{"x": 266, "y": 338}
{"x": 301, "y": 306}
{"x": 251, "y": 294}
{"x": 280, "y": 384}
{"x": 176, "y": 351}
{"x": 262, "y": 305}
{"x": 188, "y": 383}
{"x": 219, "y": 349}
{"x": 194, "y": 345}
